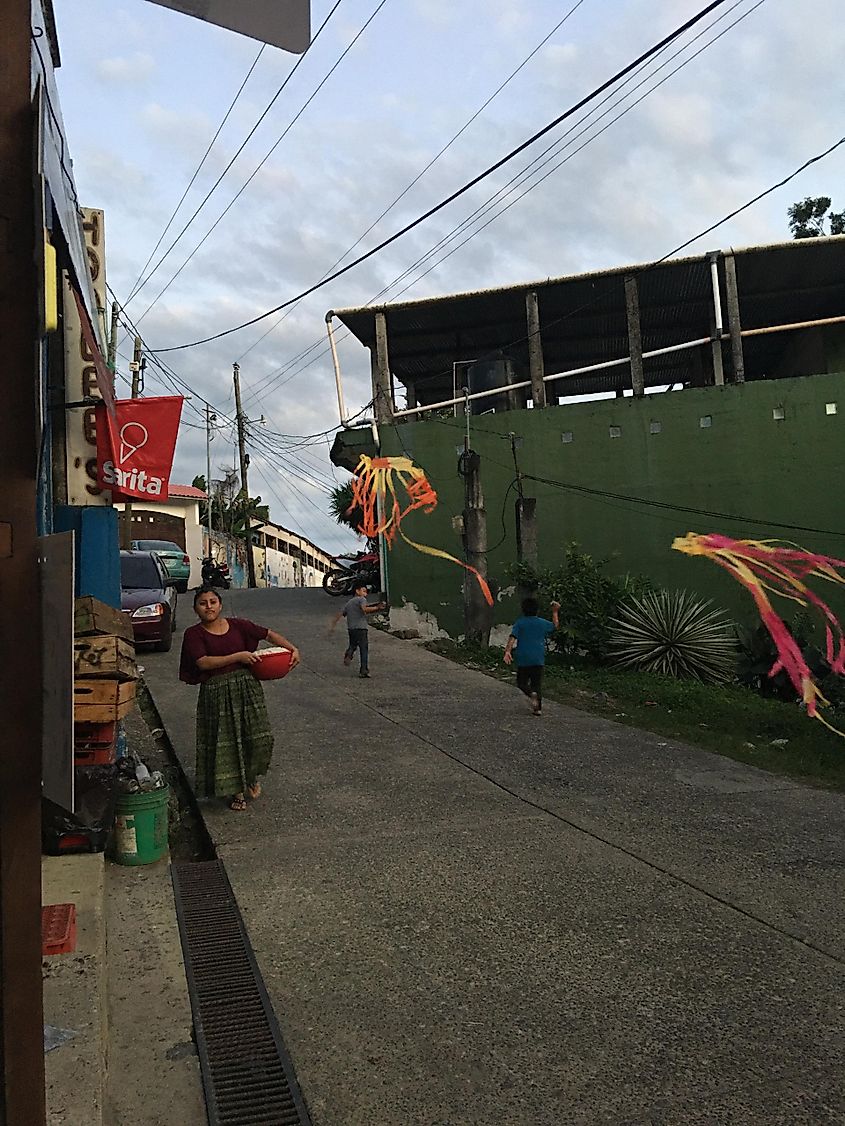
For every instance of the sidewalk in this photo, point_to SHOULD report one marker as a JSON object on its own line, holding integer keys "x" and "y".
{"x": 468, "y": 915}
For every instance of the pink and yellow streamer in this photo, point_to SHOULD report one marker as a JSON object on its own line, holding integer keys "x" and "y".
{"x": 377, "y": 478}
{"x": 772, "y": 567}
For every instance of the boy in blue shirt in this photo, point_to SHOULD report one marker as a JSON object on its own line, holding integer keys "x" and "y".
{"x": 528, "y": 637}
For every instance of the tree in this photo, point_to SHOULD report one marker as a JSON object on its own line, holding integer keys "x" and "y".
{"x": 807, "y": 218}
{"x": 340, "y": 507}
{"x": 228, "y": 511}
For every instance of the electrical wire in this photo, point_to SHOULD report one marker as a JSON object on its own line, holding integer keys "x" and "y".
{"x": 612, "y": 81}
{"x": 266, "y": 157}
{"x": 248, "y": 138}
{"x": 258, "y": 393}
{"x": 197, "y": 171}
{"x": 445, "y": 148}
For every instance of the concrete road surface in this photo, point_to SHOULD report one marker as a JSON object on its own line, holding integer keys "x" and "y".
{"x": 468, "y": 916}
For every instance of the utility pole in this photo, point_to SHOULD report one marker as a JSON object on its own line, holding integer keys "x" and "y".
{"x": 250, "y": 561}
{"x": 126, "y": 525}
{"x": 112, "y": 357}
{"x": 210, "y": 417}
{"x": 476, "y": 613}
{"x": 21, "y": 1015}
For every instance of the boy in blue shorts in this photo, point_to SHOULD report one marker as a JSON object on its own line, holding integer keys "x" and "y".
{"x": 528, "y": 637}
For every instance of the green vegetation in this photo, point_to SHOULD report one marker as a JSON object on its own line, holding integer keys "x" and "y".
{"x": 673, "y": 633}
{"x": 728, "y": 719}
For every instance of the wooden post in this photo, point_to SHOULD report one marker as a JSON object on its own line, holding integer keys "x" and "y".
{"x": 536, "y": 366}
{"x": 21, "y": 1014}
{"x": 734, "y": 323}
{"x": 635, "y": 339}
{"x": 382, "y": 395}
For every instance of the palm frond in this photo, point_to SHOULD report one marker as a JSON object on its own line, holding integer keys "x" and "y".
{"x": 675, "y": 634}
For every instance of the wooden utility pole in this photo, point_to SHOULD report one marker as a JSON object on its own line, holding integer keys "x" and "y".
{"x": 536, "y": 365}
{"x": 112, "y": 356}
{"x": 126, "y": 525}
{"x": 250, "y": 561}
{"x": 22, "y": 1101}
{"x": 635, "y": 336}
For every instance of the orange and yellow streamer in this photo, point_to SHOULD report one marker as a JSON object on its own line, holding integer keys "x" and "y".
{"x": 772, "y": 567}
{"x": 384, "y": 480}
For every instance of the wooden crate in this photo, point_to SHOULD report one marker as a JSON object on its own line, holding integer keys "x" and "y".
{"x": 103, "y": 656}
{"x": 92, "y": 616}
{"x": 102, "y": 701}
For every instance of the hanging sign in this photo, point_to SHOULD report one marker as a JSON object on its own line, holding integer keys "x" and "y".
{"x": 135, "y": 446}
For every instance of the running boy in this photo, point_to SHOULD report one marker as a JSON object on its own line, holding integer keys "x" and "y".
{"x": 355, "y": 611}
{"x": 528, "y": 637}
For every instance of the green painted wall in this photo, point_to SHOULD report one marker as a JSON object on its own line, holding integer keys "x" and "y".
{"x": 744, "y": 462}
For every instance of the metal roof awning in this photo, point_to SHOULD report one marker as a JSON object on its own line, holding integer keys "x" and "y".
{"x": 583, "y": 319}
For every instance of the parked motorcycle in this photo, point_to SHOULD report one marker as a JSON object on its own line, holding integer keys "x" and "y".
{"x": 215, "y": 574}
{"x": 345, "y": 576}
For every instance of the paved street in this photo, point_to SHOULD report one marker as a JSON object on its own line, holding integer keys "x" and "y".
{"x": 466, "y": 915}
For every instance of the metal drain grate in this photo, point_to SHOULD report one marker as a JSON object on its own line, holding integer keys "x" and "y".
{"x": 246, "y": 1071}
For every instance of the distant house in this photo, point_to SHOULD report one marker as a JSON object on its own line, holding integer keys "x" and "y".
{"x": 177, "y": 519}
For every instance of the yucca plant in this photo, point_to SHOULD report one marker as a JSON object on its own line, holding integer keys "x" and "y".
{"x": 676, "y": 634}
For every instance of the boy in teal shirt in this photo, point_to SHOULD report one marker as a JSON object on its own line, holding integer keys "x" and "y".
{"x": 528, "y": 637}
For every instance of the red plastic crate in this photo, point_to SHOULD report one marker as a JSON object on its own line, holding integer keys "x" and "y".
{"x": 58, "y": 929}
{"x": 95, "y": 734}
{"x": 94, "y": 744}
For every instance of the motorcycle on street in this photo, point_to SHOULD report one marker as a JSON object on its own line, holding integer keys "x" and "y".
{"x": 215, "y": 574}
{"x": 350, "y": 571}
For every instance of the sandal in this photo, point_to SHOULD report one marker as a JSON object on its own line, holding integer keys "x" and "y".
{"x": 238, "y": 804}
{"x": 254, "y": 790}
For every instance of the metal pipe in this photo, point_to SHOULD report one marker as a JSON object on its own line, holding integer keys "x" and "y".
{"x": 717, "y": 296}
{"x": 792, "y": 327}
{"x": 341, "y": 406}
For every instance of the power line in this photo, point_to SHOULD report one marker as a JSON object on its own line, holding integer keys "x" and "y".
{"x": 248, "y": 138}
{"x": 432, "y": 161}
{"x": 469, "y": 184}
{"x": 259, "y": 392}
{"x": 197, "y": 171}
{"x": 266, "y": 157}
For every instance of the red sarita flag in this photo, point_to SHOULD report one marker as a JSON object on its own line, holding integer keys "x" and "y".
{"x": 135, "y": 447}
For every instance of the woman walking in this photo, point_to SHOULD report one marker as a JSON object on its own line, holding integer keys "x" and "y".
{"x": 234, "y": 739}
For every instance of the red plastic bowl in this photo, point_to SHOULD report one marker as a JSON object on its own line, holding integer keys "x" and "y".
{"x": 274, "y": 664}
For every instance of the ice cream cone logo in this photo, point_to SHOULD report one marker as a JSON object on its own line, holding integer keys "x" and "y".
{"x": 133, "y": 437}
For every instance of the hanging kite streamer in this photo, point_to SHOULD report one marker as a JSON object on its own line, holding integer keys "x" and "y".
{"x": 771, "y": 567}
{"x": 377, "y": 479}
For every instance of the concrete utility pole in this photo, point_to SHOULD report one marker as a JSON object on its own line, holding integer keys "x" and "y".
{"x": 22, "y": 1101}
{"x": 476, "y": 611}
{"x": 112, "y": 356}
{"x": 126, "y": 525}
{"x": 250, "y": 561}
{"x": 210, "y": 417}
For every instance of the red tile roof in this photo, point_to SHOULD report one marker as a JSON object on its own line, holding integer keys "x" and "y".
{"x": 186, "y": 491}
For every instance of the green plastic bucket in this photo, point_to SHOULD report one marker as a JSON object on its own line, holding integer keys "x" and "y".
{"x": 140, "y": 826}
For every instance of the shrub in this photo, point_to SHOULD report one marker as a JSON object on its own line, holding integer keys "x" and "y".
{"x": 676, "y": 634}
{"x": 588, "y": 599}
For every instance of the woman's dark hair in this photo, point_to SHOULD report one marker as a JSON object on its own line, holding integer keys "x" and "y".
{"x": 206, "y": 590}
{"x": 530, "y": 607}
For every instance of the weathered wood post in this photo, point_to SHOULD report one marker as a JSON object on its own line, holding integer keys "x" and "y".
{"x": 635, "y": 339}
{"x": 734, "y": 324}
{"x": 536, "y": 365}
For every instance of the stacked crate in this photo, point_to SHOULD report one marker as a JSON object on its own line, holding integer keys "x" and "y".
{"x": 105, "y": 675}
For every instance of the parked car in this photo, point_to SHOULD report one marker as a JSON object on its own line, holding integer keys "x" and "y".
{"x": 173, "y": 556}
{"x": 148, "y": 597}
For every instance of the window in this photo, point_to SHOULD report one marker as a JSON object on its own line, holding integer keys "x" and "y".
{"x": 778, "y": 414}
{"x": 615, "y": 431}
{"x": 655, "y": 427}
{"x": 705, "y": 422}
{"x": 830, "y": 408}
{"x": 139, "y": 572}
{"x": 567, "y": 436}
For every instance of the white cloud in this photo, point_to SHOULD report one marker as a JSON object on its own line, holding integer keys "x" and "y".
{"x": 135, "y": 68}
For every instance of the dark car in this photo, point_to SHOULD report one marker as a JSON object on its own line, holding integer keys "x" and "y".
{"x": 148, "y": 597}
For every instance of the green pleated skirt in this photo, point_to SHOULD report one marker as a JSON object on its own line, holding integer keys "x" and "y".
{"x": 234, "y": 738}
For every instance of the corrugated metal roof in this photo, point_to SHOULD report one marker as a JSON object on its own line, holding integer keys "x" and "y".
{"x": 583, "y": 319}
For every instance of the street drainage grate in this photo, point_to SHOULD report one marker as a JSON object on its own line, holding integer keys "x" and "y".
{"x": 246, "y": 1071}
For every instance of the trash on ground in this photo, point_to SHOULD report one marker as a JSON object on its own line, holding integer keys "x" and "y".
{"x": 55, "y": 1037}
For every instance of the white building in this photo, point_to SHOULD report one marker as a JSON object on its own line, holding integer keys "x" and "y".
{"x": 176, "y": 518}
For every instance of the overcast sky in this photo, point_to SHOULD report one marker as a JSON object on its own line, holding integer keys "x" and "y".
{"x": 143, "y": 90}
